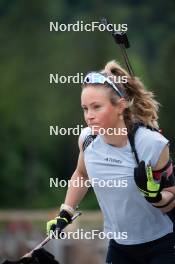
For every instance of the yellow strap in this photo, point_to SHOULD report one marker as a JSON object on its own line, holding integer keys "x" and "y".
{"x": 151, "y": 184}
{"x": 63, "y": 219}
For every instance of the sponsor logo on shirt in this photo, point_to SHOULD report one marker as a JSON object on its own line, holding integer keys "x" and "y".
{"x": 112, "y": 160}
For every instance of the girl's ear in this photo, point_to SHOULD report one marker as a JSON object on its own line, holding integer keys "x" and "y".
{"x": 122, "y": 105}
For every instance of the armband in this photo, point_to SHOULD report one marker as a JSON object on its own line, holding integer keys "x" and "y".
{"x": 165, "y": 175}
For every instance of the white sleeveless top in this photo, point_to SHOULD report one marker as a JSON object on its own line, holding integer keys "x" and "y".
{"x": 127, "y": 215}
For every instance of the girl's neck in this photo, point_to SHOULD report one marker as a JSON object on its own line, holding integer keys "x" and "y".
{"x": 118, "y": 137}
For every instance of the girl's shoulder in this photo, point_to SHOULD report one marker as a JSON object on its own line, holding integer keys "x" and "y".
{"x": 147, "y": 136}
{"x": 149, "y": 144}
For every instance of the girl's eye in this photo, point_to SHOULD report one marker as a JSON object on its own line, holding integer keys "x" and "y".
{"x": 96, "y": 106}
{"x": 84, "y": 109}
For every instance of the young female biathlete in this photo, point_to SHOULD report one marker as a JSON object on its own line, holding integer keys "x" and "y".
{"x": 139, "y": 207}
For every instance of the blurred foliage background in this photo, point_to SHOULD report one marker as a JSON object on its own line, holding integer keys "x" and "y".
{"x": 29, "y": 52}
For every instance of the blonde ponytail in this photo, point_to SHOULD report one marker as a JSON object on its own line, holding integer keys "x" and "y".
{"x": 142, "y": 107}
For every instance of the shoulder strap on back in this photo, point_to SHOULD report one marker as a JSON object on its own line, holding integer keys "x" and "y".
{"x": 88, "y": 141}
{"x": 131, "y": 137}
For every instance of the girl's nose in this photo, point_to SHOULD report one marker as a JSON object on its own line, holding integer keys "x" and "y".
{"x": 90, "y": 115}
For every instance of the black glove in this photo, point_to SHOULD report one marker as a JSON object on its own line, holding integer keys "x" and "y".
{"x": 146, "y": 184}
{"x": 59, "y": 222}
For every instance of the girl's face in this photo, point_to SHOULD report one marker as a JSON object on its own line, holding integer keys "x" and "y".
{"x": 98, "y": 110}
